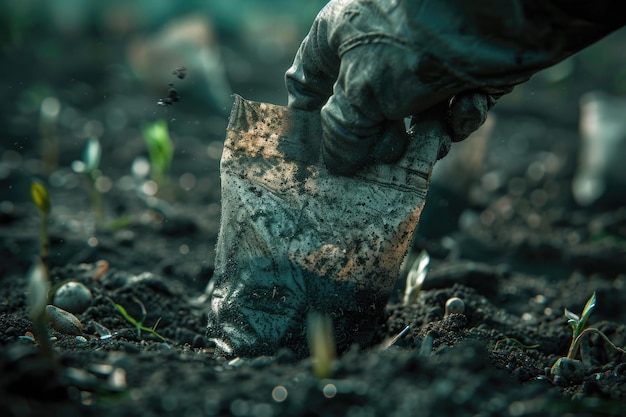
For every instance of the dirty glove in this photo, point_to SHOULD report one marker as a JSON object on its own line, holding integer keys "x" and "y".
{"x": 369, "y": 64}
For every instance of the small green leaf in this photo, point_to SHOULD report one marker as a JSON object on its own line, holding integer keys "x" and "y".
{"x": 591, "y": 304}
{"x": 155, "y": 325}
{"x": 92, "y": 154}
{"x": 160, "y": 147}
{"x": 573, "y": 324}
{"x": 415, "y": 278}
{"x": 571, "y": 316}
{"x": 126, "y": 316}
{"x": 139, "y": 324}
{"x": 40, "y": 196}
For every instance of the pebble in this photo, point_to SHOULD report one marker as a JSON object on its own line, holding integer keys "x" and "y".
{"x": 454, "y": 305}
{"x": 567, "y": 372}
{"x": 63, "y": 321}
{"x": 73, "y": 297}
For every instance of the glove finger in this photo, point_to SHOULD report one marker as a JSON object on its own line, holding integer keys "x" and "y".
{"x": 466, "y": 113}
{"x": 343, "y": 152}
{"x": 392, "y": 144}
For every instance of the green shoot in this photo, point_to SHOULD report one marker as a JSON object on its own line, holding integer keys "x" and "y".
{"x": 41, "y": 198}
{"x": 321, "y": 344}
{"x": 580, "y": 329}
{"x": 566, "y": 367}
{"x": 415, "y": 278}
{"x": 38, "y": 288}
{"x": 139, "y": 324}
{"x": 579, "y": 323}
{"x": 160, "y": 149}
{"x": 89, "y": 168}
{"x": 391, "y": 341}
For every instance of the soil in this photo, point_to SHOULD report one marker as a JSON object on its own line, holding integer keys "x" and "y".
{"x": 517, "y": 253}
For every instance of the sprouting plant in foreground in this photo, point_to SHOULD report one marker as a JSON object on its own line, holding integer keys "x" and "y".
{"x": 160, "y": 149}
{"x": 321, "y": 343}
{"x": 41, "y": 198}
{"x": 38, "y": 288}
{"x": 579, "y": 330}
{"x": 578, "y": 324}
{"x": 88, "y": 167}
{"x": 139, "y": 324}
{"x": 415, "y": 278}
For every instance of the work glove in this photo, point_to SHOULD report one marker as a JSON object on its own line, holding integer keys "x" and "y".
{"x": 369, "y": 64}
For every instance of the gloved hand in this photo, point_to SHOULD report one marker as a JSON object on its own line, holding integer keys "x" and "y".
{"x": 369, "y": 64}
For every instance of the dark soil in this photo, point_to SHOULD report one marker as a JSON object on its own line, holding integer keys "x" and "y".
{"x": 517, "y": 253}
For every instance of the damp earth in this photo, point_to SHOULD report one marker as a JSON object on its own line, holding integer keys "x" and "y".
{"x": 502, "y": 230}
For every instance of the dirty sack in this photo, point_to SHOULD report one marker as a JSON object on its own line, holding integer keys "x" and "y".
{"x": 295, "y": 239}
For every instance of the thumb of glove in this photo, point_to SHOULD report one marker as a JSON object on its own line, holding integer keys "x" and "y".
{"x": 466, "y": 113}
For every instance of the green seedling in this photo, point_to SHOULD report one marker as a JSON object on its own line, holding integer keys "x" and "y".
{"x": 139, "y": 324}
{"x": 321, "y": 344}
{"x": 41, "y": 198}
{"x": 415, "y": 278}
{"x": 579, "y": 330}
{"x": 88, "y": 167}
{"x": 38, "y": 289}
{"x": 392, "y": 341}
{"x": 579, "y": 324}
{"x": 160, "y": 149}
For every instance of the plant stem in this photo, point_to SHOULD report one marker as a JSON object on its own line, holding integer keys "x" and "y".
{"x": 40, "y": 329}
{"x": 575, "y": 346}
{"x": 96, "y": 202}
{"x": 45, "y": 240}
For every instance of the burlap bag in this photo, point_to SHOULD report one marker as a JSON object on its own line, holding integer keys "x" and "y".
{"x": 295, "y": 238}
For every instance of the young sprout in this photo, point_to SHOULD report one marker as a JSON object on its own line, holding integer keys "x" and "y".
{"x": 41, "y": 198}
{"x": 391, "y": 341}
{"x": 160, "y": 149}
{"x": 38, "y": 288}
{"x": 568, "y": 368}
{"x": 579, "y": 323}
{"x": 415, "y": 278}
{"x": 321, "y": 343}
{"x": 89, "y": 168}
{"x": 139, "y": 323}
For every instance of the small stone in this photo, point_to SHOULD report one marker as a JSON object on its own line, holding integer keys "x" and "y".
{"x": 566, "y": 372}
{"x": 63, "y": 321}
{"x": 73, "y": 297}
{"x": 198, "y": 342}
{"x": 454, "y": 305}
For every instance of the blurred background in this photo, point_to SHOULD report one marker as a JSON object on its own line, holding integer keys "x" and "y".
{"x": 115, "y": 59}
{"x": 87, "y": 54}
{"x": 74, "y": 70}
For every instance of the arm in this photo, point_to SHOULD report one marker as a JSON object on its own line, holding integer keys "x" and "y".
{"x": 369, "y": 64}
